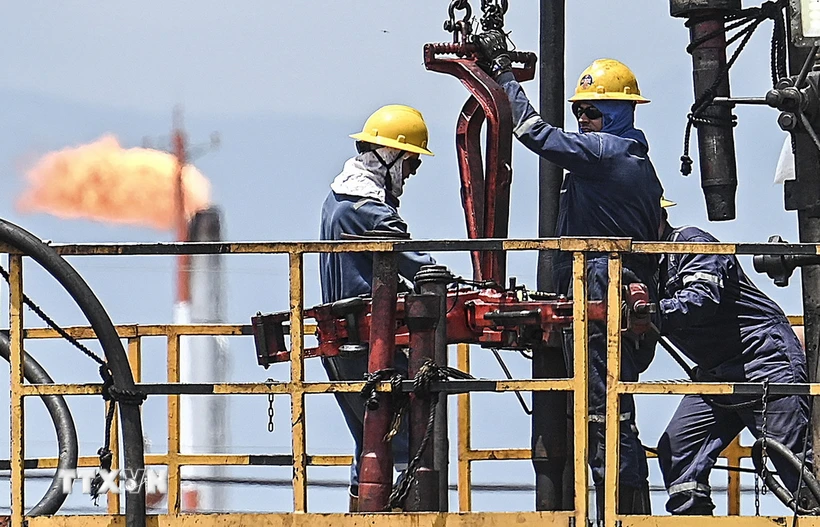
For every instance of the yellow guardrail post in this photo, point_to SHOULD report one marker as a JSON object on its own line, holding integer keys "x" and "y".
{"x": 297, "y": 379}
{"x": 113, "y": 498}
{"x": 17, "y": 407}
{"x": 580, "y": 391}
{"x": 613, "y": 377}
{"x": 173, "y": 426}
{"x": 733, "y": 453}
{"x": 465, "y": 494}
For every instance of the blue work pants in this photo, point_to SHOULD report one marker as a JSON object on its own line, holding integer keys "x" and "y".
{"x": 633, "y": 467}
{"x": 700, "y": 431}
{"x": 353, "y": 367}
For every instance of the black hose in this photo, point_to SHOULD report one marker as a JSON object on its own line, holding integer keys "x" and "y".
{"x": 116, "y": 358}
{"x": 782, "y": 493}
{"x": 63, "y": 424}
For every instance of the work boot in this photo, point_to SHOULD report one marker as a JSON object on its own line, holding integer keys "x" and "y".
{"x": 353, "y": 504}
{"x": 634, "y": 500}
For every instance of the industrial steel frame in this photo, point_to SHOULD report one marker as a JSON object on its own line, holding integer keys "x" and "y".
{"x": 297, "y": 388}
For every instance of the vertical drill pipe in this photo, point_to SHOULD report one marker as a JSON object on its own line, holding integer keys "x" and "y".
{"x": 716, "y": 144}
{"x": 551, "y": 82}
{"x": 807, "y": 176}
{"x": 433, "y": 279}
{"x": 376, "y": 465}
{"x": 422, "y": 317}
{"x": 809, "y": 229}
{"x": 550, "y": 430}
{"x": 549, "y": 440}
{"x": 468, "y": 150}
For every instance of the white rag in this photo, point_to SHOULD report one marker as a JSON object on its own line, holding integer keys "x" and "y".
{"x": 785, "y": 163}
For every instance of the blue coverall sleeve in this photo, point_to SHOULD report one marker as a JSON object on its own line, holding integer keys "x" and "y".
{"x": 410, "y": 262}
{"x": 698, "y": 290}
{"x": 575, "y": 152}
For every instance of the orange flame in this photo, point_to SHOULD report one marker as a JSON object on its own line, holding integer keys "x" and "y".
{"x": 105, "y": 182}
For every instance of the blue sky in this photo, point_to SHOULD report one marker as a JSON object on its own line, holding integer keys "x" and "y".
{"x": 284, "y": 83}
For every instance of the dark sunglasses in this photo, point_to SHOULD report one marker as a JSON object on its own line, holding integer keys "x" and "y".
{"x": 591, "y": 112}
{"x": 414, "y": 163}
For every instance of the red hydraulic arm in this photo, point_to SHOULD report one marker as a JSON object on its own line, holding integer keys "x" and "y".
{"x": 485, "y": 192}
{"x": 511, "y": 319}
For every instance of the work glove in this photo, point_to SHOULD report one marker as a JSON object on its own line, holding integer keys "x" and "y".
{"x": 494, "y": 58}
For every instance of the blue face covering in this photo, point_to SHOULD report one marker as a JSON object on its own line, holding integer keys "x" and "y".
{"x": 619, "y": 119}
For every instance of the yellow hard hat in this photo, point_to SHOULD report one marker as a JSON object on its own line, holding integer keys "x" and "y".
{"x": 607, "y": 79}
{"x": 666, "y": 203}
{"x": 396, "y": 126}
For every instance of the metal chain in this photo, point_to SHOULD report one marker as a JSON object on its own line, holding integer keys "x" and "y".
{"x": 764, "y": 432}
{"x": 271, "y": 411}
{"x": 53, "y": 325}
{"x": 428, "y": 373}
{"x": 493, "y": 17}
{"x": 764, "y": 471}
{"x": 459, "y": 28}
{"x": 757, "y": 494}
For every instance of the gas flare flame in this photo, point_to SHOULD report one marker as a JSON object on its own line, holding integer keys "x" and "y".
{"x": 105, "y": 182}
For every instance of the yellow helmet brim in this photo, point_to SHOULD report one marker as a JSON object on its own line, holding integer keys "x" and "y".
{"x": 392, "y": 143}
{"x": 592, "y": 96}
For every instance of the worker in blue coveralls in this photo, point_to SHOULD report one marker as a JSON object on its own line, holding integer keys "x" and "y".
{"x": 733, "y": 332}
{"x": 611, "y": 190}
{"x": 365, "y": 197}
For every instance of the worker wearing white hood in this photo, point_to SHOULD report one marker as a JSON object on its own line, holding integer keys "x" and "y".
{"x": 365, "y": 197}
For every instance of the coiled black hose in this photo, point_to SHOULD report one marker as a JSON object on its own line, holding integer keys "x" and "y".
{"x": 53, "y": 499}
{"x": 782, "y": 493}
{"x": 117, "y": 360}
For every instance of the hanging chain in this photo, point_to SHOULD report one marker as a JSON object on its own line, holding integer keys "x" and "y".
{"x": 764, "y": 469}
{"x": 764, "y": 432}
{"x": 494, "y": 11}
{"x": 428, "y": 373}
{"x": 757, "y": 494}
{"x": 271, "y": 411}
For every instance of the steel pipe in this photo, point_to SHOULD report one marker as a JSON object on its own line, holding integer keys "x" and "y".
{"x": 376, "y": 465}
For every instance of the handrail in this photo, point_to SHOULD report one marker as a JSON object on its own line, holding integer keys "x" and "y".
{"x": 297, "y": 387}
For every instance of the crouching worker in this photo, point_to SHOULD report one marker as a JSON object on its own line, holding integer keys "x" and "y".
{"x": 733, "y": 332}
{"x": 365, "y": 197}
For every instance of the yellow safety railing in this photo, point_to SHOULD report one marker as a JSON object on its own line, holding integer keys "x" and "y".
{"x": 297, "y": 387}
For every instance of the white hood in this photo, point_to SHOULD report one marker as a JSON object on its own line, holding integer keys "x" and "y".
{"x": 363, "y": 175}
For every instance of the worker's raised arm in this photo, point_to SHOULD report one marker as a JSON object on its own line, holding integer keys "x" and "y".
{"x": 575, "y": 152}
{"x": 578, "y": 153}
